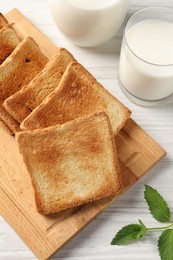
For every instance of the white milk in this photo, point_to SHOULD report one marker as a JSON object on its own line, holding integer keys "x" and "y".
{"x": 91, "y": 4}
{"x": 89, "y": 22}
{"x": 145, "y": 65}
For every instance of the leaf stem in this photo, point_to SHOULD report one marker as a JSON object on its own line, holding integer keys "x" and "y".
{"x": 159, "y": 228}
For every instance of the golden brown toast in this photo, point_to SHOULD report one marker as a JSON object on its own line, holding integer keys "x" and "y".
{"x": 21, "y": 104}
{"x": 25, "y": 62}
{"x": 77, "y": 95}
{"x": 3, "y": 21}
{"x": 8, "y": 42}
{"x": 5, "y": 127}
{"x": 8, "y": 120}
{"x": 71, "y": 164}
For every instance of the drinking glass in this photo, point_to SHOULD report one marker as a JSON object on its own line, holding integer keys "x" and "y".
{"x": 146, "y": 65}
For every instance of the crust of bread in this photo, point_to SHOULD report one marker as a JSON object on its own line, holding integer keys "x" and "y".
{"x": 5, "y": 126}
{"x": 71, "y": 164}
{"x": 77, "y": 95}
{"x": 21, "y": 104}
{"x": 25, "y": 62}
{"x": 9, "y": 40}
{"x": 13, "y": 125}
{"x": 3, "y": 21}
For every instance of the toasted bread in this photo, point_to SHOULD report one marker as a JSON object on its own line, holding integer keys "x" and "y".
{"x": 21, "y": 104}
{"x": 5, "y": 126}
{"x": 9, "y": 40}
{"x": 71, "y": 164}
{"x": 3, "y": 21}
{"x": 9, "y": 121}
{"x": 25, "y": 62}
{"x": 78, "y": 94}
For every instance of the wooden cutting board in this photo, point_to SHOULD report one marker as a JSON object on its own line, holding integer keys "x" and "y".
{"x": 45, "y": 235}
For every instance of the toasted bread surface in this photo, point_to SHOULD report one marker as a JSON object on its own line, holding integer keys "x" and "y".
{"x": 21, "y": 104}
{"x": 25, "y": 62}
{"x": 71, "y": 164}
{"x": 3, "y": 21}
{"x": 78, "y": 94}
{"x": 9, "y": 40}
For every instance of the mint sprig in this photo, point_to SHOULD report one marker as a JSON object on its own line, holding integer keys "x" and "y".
{"x": 165, "y": 245}
{"x": 129, "y": 233}
{"x": 157, "y": 205}
{"x": 161, "y": 212}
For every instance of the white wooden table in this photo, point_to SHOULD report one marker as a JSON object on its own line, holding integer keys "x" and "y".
{"x": 93, "y": 243}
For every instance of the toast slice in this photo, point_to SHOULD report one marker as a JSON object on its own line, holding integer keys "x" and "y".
{"x": 25, "y": 62}
{"x": 5, "y": 127}
{"x": 9, "y": 40}
{"x": 3, "y": 21}
{"x": 21, "y": 104}
{"x": 9, "y": 121}
{"x": 78, "y": 94}
{"x": 71, "y": 164}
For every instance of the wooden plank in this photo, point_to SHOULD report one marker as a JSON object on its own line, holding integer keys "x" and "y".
{"x": 45, "y": 235}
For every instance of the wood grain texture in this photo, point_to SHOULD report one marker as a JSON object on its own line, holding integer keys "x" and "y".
{"x": 93, "y": 243}
{"x": 137, "y": 154}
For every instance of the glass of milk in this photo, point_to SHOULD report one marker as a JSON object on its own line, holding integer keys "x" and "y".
{"x": 146, "y": 60}
{"x": 88, "y": 22}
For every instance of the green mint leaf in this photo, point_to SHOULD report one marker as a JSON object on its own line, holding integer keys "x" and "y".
{"x": 143, "y": 227}
{"x": 165, "y": 245}
{"x": 129, "y": 233}
{"x": 157, "y": 205}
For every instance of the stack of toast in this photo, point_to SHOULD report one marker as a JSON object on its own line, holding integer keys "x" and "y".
{"x": 64, "y": 121}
